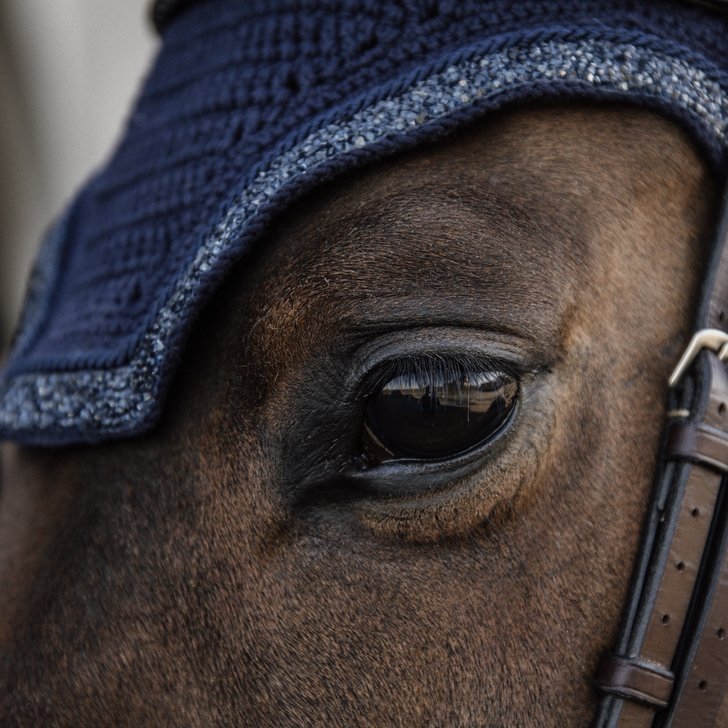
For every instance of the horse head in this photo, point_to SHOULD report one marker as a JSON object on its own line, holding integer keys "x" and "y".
{"x": 403, "y": 462}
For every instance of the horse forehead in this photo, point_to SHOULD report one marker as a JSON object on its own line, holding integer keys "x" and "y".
{"x": 513, "y": 206}
{"x": 549, "y": 168}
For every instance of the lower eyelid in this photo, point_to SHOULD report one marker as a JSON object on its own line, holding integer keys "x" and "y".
{"x": 413, "y": 477}
{"x": 487, "y": 491}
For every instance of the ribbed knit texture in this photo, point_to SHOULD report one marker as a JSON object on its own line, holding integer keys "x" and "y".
{"x": 235, "y": 85}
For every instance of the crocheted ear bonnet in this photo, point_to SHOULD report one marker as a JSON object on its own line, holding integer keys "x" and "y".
{"x": 252, "y": 102}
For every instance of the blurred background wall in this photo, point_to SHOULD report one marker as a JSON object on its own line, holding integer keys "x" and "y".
{"x": 69, "y": 70}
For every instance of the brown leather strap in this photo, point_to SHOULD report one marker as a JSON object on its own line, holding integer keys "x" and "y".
{"x": 671, "y": 596}
{"x": 641, "y": 681}
{"x": 699, "y": 443}
{"x": 701, "y": 697}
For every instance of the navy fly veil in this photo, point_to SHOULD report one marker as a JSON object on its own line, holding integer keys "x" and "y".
{"x": 251, "y": 103}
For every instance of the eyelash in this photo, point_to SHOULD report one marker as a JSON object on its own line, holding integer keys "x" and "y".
{"x": 433, "y": 367}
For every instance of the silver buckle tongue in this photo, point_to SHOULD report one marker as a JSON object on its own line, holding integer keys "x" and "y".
{"x": 713, "y": 339}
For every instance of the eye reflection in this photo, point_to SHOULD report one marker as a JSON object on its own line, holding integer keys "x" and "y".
{"x": 436, "y": 410}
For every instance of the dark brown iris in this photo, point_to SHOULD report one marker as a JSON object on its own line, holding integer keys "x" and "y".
{"x": 433, "y": 415}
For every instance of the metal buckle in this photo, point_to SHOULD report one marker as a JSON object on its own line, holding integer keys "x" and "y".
{"x": 713, "y": 339}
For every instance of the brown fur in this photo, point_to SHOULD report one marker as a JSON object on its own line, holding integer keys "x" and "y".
{"x": 193, "y": 577}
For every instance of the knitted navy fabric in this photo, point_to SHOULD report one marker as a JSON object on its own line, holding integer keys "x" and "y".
{"x": 250, "y": 103}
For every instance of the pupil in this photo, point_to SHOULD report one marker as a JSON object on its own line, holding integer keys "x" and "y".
{"x": 436, "y": 416}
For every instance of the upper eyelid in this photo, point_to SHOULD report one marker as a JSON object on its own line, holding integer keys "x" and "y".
{"x": 496, "y": 351}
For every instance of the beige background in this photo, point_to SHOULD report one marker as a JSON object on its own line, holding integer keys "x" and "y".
{"x": 69, "y": 70}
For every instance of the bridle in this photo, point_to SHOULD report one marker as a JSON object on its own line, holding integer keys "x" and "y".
{"x": 669, "y": 666}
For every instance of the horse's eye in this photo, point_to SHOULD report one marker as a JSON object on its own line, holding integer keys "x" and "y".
{"x": 435, "y": 411}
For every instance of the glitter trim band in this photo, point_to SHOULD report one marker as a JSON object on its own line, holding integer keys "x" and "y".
{"x": 52, "y": 408}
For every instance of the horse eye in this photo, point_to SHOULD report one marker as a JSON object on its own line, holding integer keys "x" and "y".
{"x": 433, "y": 414}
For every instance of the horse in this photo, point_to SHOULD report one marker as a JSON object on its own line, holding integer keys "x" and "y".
{"x": 229, "y": 568}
